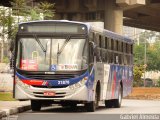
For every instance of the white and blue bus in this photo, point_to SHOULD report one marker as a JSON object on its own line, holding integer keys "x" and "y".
{"x": 69, "y": 63}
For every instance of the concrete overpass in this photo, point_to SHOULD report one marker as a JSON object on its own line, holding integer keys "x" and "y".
{"x": 115, "y": 13}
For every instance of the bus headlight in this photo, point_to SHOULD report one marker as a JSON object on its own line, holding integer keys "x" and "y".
{"x": 79, "y": 84}
{"x": 21, "y": 84}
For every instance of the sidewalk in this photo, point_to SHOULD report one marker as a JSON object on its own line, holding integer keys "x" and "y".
{"x": 13, "y": 107}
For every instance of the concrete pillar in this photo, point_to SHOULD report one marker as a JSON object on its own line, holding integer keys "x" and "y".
{"x": 113, "y": 17}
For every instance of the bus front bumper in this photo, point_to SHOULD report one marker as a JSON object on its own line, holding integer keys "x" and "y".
{"x": 33, "y": 93}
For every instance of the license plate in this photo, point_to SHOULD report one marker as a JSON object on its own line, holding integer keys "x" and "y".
{"x": 48, "y": 93}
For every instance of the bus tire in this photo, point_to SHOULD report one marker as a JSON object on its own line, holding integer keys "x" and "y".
{"x": 117, "y": 102}
{"x": 35, "y": 105}
{"x": 109, "y": 103}
{"x": 91, "y": 106}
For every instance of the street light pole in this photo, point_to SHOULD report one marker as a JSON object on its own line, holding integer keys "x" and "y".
{"x": 145, "y": 62}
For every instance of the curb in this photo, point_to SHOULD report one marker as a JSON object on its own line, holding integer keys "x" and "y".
{"x": 11, "y": 111}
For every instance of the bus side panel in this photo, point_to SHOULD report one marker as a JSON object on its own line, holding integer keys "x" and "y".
{"x": 102, "y": 75}
{"x": 99, "y": 76}
{"x": 104, "y": 82}
{"x": 124, "y": 80}
{"x": 127, "y": 79}
{"x": 116, "y": 75}
{"x": 129, "y": 84}
{"x": 111, "y": 82}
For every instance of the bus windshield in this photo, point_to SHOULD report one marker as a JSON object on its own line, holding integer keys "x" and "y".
{"x": 52, "y": 54}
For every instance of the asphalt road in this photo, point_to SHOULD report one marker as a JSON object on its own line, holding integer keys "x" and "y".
{"x": 131, "y": 109}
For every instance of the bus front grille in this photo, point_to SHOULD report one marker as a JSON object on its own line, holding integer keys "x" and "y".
{"x": 58, "y": 75}
{"x": 49, "y": 77}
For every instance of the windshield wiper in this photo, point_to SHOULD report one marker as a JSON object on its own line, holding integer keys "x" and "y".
{"x": 63, "y": 46}
{"x": 40, "y": 44}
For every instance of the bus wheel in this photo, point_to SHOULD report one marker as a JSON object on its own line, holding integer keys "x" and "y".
{"x": 108, "y": 103}
{"x": 117, "y": 102}
{"x": 36, "y": 105}
{"x": 91, "y": 106}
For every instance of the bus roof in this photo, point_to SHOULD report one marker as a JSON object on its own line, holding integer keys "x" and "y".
{"x": 112, "y": 35}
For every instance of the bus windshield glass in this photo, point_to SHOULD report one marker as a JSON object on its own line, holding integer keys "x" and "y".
{"x": 52, "y": 54}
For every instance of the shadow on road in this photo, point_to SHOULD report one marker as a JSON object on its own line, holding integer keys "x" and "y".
{"x": 59, "y": 109}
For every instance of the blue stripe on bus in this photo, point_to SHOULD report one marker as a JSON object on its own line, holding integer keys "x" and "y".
{"x": 62, "y": 82}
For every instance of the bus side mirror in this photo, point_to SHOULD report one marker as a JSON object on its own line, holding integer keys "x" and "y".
{"x": 93, "y": 52}
{"x": 93, "y": 48}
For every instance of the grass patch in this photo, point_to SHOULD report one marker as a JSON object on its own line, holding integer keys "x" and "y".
{"x": 6, "y": 96}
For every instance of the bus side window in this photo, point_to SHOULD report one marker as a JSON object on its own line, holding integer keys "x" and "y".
{"x": 131, "y": 49}
{"x": 100, "y": 41}
{"x": 112, "y": 44}
{"x": 103, "y": 42}
{"x": 98, "y": 55}
{"x": 120, "y": 58}
{"x": 111, "y": 57}
{"x": 92, "y": 36}
{"x": 107, "y": 56}
{"x": 109, "y": 44}
{"x": 122, "y": 47}
{"x": 126, "y": 48}
{"x": 106, "y": 43}
{"x": 97, "y": 39}
{"x": 116, "y": 58}
{"x": 128, "y": 58}
{"x": 104, "y": 55}
{"x": 120, "y": 52}
{"x": 125, "y": 59}
{"x": 115, "y": 45}
{"x": 119, "y": 46}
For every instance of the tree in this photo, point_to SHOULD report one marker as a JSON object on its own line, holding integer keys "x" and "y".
{"x": 139, "y": 54}
{"x": 31, "y": 13}
{"x": 137, "y": 73}
{"x": 158, "y": 83}
{"x": 153, "y": 55}
{"x": 47, "y": 9}
{"x": 5, "y": 23}
{"x": 2, "y": 23}
{"x": 43, "y": 10}
{"x": 21, "y": 12}
{"x": 19, "y": 8}
{"x": 151, "y": 39}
